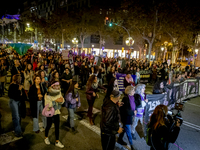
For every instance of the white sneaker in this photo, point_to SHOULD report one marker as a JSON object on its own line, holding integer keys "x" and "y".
{"x": 59, "y": 144}
{"x": 46, "y": 141}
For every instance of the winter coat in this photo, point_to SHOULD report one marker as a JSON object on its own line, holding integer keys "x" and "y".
{"x": 17, "y": 95}
{"x": 89, "y": 92}
{"x": 71, "y": 102}
{"x": 51, "y": 101}
{"x": 110, "y": 117}
{"x": 33, "y": 98}
{"x": 126, "y": 112}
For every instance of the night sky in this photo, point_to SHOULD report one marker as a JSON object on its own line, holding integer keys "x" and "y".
{"x": 10, "y": 7}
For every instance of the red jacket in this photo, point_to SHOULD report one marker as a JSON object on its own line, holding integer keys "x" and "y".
{"x": 34, "y": 66}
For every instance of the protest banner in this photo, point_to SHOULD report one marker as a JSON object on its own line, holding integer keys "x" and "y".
{"x": 65, "y": 54}
{"x": 120, "y": 79}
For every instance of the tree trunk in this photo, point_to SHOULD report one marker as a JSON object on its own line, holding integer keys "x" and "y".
{"x": 193, "y": 61}
{"x": 173, "y": 55}
{"x": 150, "y": 48}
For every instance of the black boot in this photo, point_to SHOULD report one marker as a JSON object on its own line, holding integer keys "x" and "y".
{"x": 132, "y": 147}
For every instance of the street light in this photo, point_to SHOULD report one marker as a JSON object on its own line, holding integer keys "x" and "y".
{"x": 162, "y": 48}
{"x": 196, "y": 51}
{"x": 75, "y": 42}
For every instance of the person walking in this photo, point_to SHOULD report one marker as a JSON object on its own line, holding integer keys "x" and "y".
{"x": 140, "y": 101}
{"x": 110, "y": 121}
{"x": 54, "y": 99}
{"x": 17, "y": 103}
{"x": 91, "y": 94}
{"x": 127, "y": 111}
{"x": 72, "y": 102}
{"x": 36, "y": 98}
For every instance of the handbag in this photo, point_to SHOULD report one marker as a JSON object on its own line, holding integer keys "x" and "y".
{"x": 48, "y": 112}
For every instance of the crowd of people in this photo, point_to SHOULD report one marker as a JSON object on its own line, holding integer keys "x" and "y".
{"x": 48, "y": 82}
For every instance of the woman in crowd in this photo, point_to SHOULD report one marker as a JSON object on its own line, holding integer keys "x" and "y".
{"x": 44, "y": 79}
{"x": 3, "y": 73}
{"x": 72, "y": 102}
{"x": 36, "y": 97}
{"x": 159, "y": 88}
{"x": 140, "y": 101}
{"x": 128, "y": 80}
{"x": 55, "y": 76}
{"x": 28, "y": 77}
{"x": 66, "y": 78}
{"x": 127, "y": 111}
{"x": 17, "y": 103}
{"x": 54, "y": 99}
{"x": 35, "y": 64}
{"x": 161, "y": 136}
{"x": 91, "y": 94}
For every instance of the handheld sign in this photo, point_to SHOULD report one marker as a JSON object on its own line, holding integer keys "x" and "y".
{"x": 97, "y": 61}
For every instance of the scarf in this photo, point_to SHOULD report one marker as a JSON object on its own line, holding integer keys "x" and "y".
{"x": 53, "y": 92}
{"x": 132, "y": 102}
{"x": 95, "y": 85}
{"x": 142, "y": 96}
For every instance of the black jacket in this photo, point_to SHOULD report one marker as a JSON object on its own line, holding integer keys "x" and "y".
{"x": 126, "y": 112}
{"x": 110, "y": 117}
{"x": 167, "y": 137}
{"x": 17, "y": 95}
{"x": 33, "y": 98}
{"x": 138, "y": 103}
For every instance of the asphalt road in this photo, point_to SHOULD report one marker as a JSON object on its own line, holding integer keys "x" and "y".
{"x": 88, "y": 137}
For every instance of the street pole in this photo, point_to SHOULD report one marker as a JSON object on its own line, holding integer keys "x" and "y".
{"x": 31, "y": 37}
{"x": 62, "y": 41}
{"x": 2, "y": 39}
{"x": 14, "y": 36}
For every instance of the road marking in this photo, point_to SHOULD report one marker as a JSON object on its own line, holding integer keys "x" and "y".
{"x": 193, "y": 104}
{"x": 8, "y": 138}
{"x": 190, "y": 124}
{"x": 97, "y": 131}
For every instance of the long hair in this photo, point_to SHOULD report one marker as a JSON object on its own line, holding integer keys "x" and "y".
{"x": 26, "y": 69}
{"x": 157, "y": 85}
{"x": 90, "y": 81}
{"x": 71, "y": 89}
{"x": 157, "y": 119}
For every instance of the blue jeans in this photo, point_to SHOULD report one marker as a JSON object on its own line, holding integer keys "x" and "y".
{"x": 35, "y": 120}
{"x": 70, "y": 119}
{"x": 14, "y": 106}
{"x": 127, "y": 129}
{"x": 135, "y": 123}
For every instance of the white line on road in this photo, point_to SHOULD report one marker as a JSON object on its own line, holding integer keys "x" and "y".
{"x": 191, "y": 124}
{"x": 193, "y": 104}
{"x": 97, "y": 131}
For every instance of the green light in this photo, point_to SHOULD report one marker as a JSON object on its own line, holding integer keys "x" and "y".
{"x": 110, "y": 24}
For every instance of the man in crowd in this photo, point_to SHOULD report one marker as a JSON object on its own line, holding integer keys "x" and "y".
{"x": 110, "y": 121}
